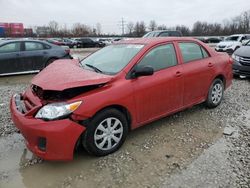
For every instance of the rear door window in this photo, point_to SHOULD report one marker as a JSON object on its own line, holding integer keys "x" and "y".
{"x": 31, "y": 46}
{"x": 10, "y": 47}
{"x": 192, "y": 51}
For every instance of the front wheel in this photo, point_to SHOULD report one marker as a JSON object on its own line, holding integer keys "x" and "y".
{"x": 106, "y": 132}
{"x": 215, "y": 94}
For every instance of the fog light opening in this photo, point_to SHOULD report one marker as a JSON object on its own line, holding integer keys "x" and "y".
{"x": 42, "y": 143}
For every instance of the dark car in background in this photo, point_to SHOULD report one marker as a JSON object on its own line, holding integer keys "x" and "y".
{"x": 55, "y": 42}
{"x": 28, "y": 56}
{"x": 163, "y": 33}
{"x": 71, "y": 43}
{"x": 90, "y": 43}
{"x": 241, "y": 57}
{"x": 209, "y": 39}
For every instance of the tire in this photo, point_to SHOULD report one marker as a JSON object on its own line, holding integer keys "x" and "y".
{"x": 100, "y": 140}
{"x": 215, "y": 94}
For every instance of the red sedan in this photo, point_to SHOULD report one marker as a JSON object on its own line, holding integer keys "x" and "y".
{"x": 97, "y": 101}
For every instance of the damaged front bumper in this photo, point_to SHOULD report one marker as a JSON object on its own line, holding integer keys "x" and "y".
{"x": 49, "y": 140}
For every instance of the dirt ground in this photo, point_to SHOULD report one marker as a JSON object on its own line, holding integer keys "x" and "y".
{"x": 198, "y": 147}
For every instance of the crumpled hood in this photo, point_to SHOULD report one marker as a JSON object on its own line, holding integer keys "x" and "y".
{"x": 243, "y": 51}
{"x": 65, "y": 74}
{"x": 227, "y": 43}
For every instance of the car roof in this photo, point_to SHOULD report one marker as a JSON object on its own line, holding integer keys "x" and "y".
{"x": 21, "y": 40}
{"x": 2, "y": 42}
{"x": 156, "y": 40}
{"x": 160, "y": 31}
{"x": 238, "y": 35}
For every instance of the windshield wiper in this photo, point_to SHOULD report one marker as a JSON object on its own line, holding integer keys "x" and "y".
{"x": 95, "y": 68}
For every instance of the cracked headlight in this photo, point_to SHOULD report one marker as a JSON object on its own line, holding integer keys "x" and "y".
{"x": 56, "y": 111}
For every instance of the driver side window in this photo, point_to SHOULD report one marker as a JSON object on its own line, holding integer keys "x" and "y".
{"x": 160, "y": 57}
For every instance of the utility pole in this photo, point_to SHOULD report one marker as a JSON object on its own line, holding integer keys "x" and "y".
{"x": 122, "y": 25}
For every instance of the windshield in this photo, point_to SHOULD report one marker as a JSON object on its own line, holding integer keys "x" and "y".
{"x": 232, "y": 38}
{"x": 247, "y": 43}
{"x": 111, "y": 59}
{"x": 151, "y": 34}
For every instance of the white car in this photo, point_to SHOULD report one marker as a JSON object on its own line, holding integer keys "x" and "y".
{"x": 232, "y": 43}
{"x": 107, "y": 41}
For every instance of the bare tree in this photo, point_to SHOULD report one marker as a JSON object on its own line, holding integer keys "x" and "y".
{"x": 54, "y": 27}
{"x": 152, "y": 25}
{"x": 183, "y": 29}
{"x": 130, "y": 27}
{"x": 80, "y": 30}
{"x": 162, "y": 27}
{"x": 98, "y": 29}
{"x": 140, "y": 29}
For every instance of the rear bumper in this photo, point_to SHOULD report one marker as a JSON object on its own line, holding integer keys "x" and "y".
{"x": 227, "y": 50}
{"x": 49, "y": 140}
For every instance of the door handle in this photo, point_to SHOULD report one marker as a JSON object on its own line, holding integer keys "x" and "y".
{"x": 210, "y": 64}
{"x": 178, "y": 74}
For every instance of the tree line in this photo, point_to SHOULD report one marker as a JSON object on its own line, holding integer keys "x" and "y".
{"x": 238, "y": 24}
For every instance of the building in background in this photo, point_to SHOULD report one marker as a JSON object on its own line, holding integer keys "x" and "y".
{"x": 16, "y": 29}
{"x": 2, "y": 32}
{"x": 11, "y": 30}
{"x": 28, "y": 32}
{"x": 43, "y": 31}
{"x": 4, "y": 29}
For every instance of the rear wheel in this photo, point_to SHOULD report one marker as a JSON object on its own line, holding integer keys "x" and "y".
{"x": 106, "y": 132}
{"x": 215, "y": 93}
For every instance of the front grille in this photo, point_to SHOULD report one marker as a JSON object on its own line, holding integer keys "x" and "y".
{"x": 245, "y": 61}
{"x": 38, "y": 91}
{"x": 28, "y": 104}
{"x": 222, "y": 46}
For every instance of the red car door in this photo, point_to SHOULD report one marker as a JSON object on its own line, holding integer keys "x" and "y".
{"x": 160, "y": 93}
{"x": 197, "y": 72}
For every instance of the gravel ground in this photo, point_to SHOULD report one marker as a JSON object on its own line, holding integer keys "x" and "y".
{"x": 198, "y": 147}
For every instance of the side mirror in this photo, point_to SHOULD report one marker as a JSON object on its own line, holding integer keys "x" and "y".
{"x": 142, "y": 71}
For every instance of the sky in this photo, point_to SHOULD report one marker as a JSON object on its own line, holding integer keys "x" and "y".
{"x": 109, "y": 13}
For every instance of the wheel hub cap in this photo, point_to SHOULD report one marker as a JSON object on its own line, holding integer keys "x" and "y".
{"x": 217, "y": 93}
{"x": 108, "y": 133}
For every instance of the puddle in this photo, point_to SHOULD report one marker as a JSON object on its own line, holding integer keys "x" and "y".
{"x": 15, "y": 170}
{"x": 11, "y": 148}
{"x": 211, "y": 169}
